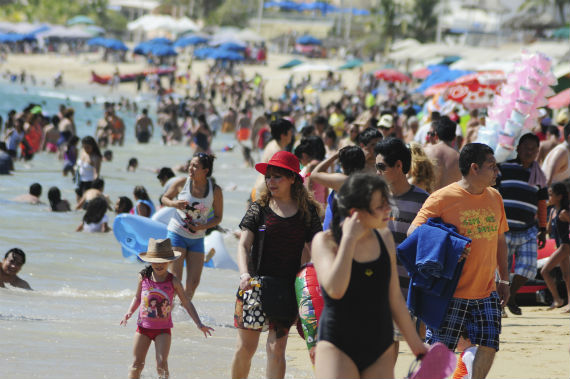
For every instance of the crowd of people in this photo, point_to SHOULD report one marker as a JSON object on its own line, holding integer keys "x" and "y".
{"x": 344, "y": 186}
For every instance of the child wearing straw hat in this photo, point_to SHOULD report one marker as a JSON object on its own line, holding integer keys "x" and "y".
{"x": 155, "y": 292}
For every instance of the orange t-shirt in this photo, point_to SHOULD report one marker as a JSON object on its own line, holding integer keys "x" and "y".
{"x": 479, "y": 217}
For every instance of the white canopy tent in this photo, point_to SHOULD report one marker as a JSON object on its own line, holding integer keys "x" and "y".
{"x": 162, "y": 22}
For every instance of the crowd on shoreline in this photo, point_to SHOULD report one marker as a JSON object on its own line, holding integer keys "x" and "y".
{"x": 376, "y": 159}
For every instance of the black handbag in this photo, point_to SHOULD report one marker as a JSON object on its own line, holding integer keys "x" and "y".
{"x": 278, "y": 299}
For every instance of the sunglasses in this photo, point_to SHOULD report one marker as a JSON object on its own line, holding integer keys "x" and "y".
{"x": 381, "y": 166}
{"x": 431, "y": 134}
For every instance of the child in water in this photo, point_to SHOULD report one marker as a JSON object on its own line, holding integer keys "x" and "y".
{"x": 95, "y": 220}
{"x": 157, "y": 286}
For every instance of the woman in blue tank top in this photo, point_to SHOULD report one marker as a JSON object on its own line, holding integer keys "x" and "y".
{"x": 356, "y": 265}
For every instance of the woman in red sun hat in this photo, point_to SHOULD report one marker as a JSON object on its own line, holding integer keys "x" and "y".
{"x": 276, "y": 230}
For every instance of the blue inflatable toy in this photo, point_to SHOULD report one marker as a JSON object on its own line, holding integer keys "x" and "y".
{"x": 133, "y": 233}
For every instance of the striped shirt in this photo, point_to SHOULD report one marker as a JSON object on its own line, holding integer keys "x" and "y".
{"x": 519, "y": 197}
{"x": 404, "y": 209}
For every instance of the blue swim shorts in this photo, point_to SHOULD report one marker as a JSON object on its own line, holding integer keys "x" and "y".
{"x": 195, "y": 245}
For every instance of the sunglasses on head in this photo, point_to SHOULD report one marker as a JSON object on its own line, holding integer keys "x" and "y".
{"x": 381, "y": 166}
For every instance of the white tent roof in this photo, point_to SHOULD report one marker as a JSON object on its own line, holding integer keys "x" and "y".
{"x": 59, "y": 31}
{"x": 162, "y": 22}
{"x": 147, "y": 5}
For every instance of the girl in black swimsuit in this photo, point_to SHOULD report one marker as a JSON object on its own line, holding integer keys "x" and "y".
{"x": 356, "y": 267}
{"x": 558, "y": 228}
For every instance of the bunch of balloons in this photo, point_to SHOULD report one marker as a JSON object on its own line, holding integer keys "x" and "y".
{"x": 515, "y": 110}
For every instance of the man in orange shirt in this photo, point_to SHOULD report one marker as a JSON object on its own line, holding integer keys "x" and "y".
{"x": 477, "y": 211}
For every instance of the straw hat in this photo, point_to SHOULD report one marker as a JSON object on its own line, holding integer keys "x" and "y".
{"x": 159, "y": 251}
{"x": 283, "y": 159}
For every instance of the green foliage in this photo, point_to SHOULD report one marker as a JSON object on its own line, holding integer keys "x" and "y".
{"x": 59, "y": 11}
{"x": 232, "y": 13}
{"x": 424, "y": 25}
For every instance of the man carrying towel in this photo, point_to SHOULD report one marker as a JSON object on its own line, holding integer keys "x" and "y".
{"x": 477, "y": 211}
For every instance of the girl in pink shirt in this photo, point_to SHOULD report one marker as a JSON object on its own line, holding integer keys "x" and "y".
{"x": 155, "y": 293}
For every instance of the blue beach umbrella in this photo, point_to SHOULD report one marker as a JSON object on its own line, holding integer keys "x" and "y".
{"x": 190, "y": 41}
{"x": 162, "y": 51}
{"x": 203, "y": 52}
{"x": 308, "y": 40}
{"x": 97, "y": 41}
{"x": 115, "y": 44}
{"x": 283, "y": 5}
{"x": 159, "y": 40}
{"x": 232, "y": 46}
{"x": 226, "y": 55}
{"x": 320, "y": 6}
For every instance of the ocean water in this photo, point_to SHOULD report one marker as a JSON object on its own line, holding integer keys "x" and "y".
{"x": 68, "y": 327}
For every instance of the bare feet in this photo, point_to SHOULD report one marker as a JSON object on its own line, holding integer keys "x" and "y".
{"x": 566, "y": 309}
{"x": 556, "y": 304}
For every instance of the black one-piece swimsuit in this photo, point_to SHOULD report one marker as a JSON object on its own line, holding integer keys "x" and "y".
{"x": 360, "y": 323}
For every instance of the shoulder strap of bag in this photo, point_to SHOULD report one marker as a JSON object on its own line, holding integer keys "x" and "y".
{"x": 260, "y": 238}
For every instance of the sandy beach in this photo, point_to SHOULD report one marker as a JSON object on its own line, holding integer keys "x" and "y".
{"x": 534, "y": 345}
{"x": 77, "y": 71}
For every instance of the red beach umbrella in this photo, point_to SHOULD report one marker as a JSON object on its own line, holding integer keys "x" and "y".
{"x": 476, "y": 90}
{"x": 422, "y": 73}
{"x": 391, "y": 75}
{"x": 560, "y": 100}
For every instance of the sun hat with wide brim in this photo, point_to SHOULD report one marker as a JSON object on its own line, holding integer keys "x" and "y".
{"x": 159, "y": 251}
{"x": 283, "y": 159}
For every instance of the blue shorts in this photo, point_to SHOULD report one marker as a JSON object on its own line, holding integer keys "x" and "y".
{"x": 480, "y": 317}
{"x": 524, "y": 247}
{"x": 195, "y": 245}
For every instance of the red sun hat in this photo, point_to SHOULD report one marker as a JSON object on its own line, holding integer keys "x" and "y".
{"x": 283, "y": 159}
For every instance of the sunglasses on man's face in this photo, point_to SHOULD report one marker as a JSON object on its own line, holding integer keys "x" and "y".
{"x": 381, "y": 166}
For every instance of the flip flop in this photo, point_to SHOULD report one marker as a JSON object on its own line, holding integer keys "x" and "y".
{"x": 438, "y": 363}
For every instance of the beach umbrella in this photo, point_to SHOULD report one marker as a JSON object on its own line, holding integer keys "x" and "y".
{"x": 560, "y": 100}
{"x": 351, "y": 64}
{"x": 162, "y": 50}
{"x": 159, "y": 41}
{"x": 190, "y": 41}
{"x": 440, "y": 74}
{"x": 233, "y": 46}
{"x": 142, "y": 48}
{"x": 94, "y": 29}
{"x": 291, "y": 63}
{"x": 284, "y": 5}
{"x": 421, "y": 73}
{"x": 115, "y": 44}
{"x": 320, "y": 6}
{"x": 308, "y": 40}
{"x": 226, "y": 55}
{"x": 81, "y": 19}
{"x": 314, "y": 67}
{"x": 203, "y": 52}
{"x": 391, "y": 75}
{"x": 476, "y": 90}
{"x": 562, "y": 33}
{"x": 97, "y": 41}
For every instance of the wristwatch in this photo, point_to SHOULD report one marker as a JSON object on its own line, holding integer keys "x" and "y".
{"x": 504, "y": 282}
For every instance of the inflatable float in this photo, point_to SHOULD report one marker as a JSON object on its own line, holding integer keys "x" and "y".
{"x": 133, "y": 233}
{"x": 310, "y": 302}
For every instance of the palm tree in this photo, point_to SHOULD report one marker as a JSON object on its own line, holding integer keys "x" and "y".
{"x": 560, "y": 5}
